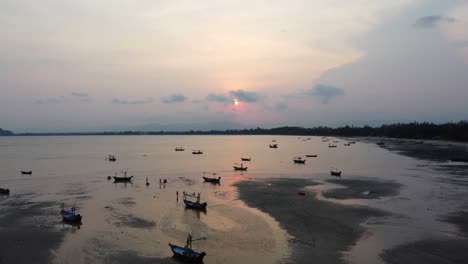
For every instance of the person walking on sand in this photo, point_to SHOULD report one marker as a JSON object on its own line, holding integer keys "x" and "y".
{"x": 189, "y": 241}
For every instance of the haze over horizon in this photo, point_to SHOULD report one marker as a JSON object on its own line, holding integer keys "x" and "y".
{"x": 73, "y": 66}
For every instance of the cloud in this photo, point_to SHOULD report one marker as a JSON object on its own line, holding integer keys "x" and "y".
{"x": 221, "y": 98}
{"x": 132, "y": 101}
{"x": 245, "y": 96}
{"x": 324, "y": 92}
{"x": 432, "y": 21}
{"x": 281, "y": 106}
{"x": 175, "y": 98}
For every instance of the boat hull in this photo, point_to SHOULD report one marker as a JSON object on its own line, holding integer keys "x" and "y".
{"x": 123, "y": 179}
{"x": 187, "y": 254}
{"x": 212, "y": 180}
{"x": 240, "y": 168}
{"x": 335, "y": 173}
{"x": 70, "y": 217}
{"x": 195, "y": 205}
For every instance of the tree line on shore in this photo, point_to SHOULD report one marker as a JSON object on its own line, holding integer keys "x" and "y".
{"x": 457, "y": 131}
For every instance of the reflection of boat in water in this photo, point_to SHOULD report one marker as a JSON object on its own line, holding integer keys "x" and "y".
{"x": 187, "y": 254}
{"x": 246, "y": 159}
{"x": 299, "y": 160}
{"x": 239, "y": 168}
{"x": 179, "y": 149}
{"x": 273, "y": 145}
{"x": 26, "y": 172}
{"x": 4, "y": 191}
{"x": 312, "y": 155}
{"x": 211, "y": 179}
{"x": 197, "y": 152}
{"x": 194, "y": 205}
{"x": 70, "y": 216}
{"x": 335, "y": 172}
{"x": 111, "y": 158}
{"x": 122, "y": 178}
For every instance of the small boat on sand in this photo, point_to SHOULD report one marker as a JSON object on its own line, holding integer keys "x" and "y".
{"x": 197, "y": 152}
{"x": 312, "y": 155}
{"x": 187, "y": 254}
{"x": 197, "y": 205}
{"x": 212, "y": 179}
{"x": 179, "y": 149}
{"x": 124, "y": 178}
{"x": 273, "y": 145}
{"x": 331, "y": 146}
{"x": 246, "y": 159}
{"x": 26, "y": 172}
{"x": 70, "y": 216}
{"x": 111, "y": 158}
{"x": 299, "y": 160}
{"x": 4, "y": 191}
{"x": 239, "y": 168}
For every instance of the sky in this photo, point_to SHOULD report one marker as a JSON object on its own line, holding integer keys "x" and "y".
{"x": 108, "y": 65}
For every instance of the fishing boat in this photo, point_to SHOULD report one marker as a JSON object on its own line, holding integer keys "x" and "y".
{"x": 352, "y": 142}
{"x": 312, "y": 155}
{"x": 273, "y": 145}
{"x": 197, "y": 152}
{"x": 111, "y": 158}
{"x": 197, "y": 205}
{"x": 299, "y": 160}
{"x": 380, "y": 144}
{"x": 246, "y": 159}
{"x": 124, "y": 178}
{"x": 347, "y": 144}
{"x": 212, "y": 179}
{"x": 239, "y": 168}
{"x": 335, "y": 172}
{"x": 26, "y": 172}
{"x": 70, "y": 216}
{"x": 331, "y": 146}
{"x": 4, "y": 191}
{"x": 179, "y": 149}
{"x": 187, "y": 254}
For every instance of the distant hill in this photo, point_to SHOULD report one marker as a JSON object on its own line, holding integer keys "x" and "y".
{"x": 6, "y": 132}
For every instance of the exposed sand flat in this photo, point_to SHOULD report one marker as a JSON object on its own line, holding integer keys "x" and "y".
{"x": 321, "y": 230}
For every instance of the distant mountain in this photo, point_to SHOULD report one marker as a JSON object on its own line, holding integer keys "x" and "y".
{"x": 207, "y": 126}
{"x": 6, "y": 132}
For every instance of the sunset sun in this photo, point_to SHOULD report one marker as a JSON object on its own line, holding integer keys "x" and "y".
{"x": 236, "y": 102}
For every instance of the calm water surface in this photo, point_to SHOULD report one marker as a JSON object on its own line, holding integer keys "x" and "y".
{"x": 135, "y": 217}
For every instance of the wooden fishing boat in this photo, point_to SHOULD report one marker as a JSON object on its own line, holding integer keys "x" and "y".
{"x": 335, "y": 173}
{"x": 239, "y": 168}
{"x": 197, "y": 205}
{"x": 197, "y": 152}
{"x": 380, "y": 143}
{"x": 312, "y": 155}
{"x": 70, "y": 216}
{"x": 212, "y": 180}
{"x": 273, "y": 145}
{"x": 347, "y": 144}
{"x": 299, "y": 160}
{"x": 187, "y": 253}
{"x": 26, "y": 172}
{"x": 179, "y": 149}
{"x": 331, "y": 146}
{"x": 246, "y": 159}
{"x": 111, "y": 158}
{"x": 122, "y": 178}
{"x": 4, "y": 191}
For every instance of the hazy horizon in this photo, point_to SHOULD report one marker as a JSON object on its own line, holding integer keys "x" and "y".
{"x": 75, "y": 66}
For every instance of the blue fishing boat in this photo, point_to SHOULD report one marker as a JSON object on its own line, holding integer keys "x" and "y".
{"x": 187, "y": 253}
{"x": 70, "y": 216}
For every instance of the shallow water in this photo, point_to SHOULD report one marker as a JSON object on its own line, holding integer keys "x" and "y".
{"x": 119, "y": 217}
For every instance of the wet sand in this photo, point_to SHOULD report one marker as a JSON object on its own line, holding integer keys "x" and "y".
{"x": 320, "y": 230}
{"x": 26, "y": 230}
{"x": 362, "y": 189}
